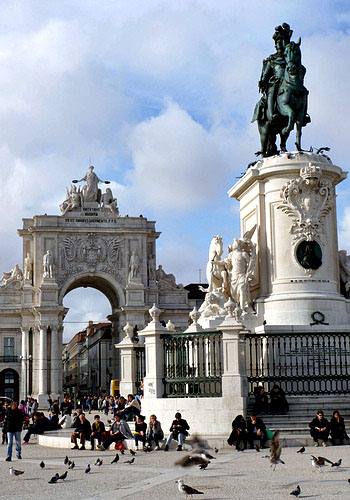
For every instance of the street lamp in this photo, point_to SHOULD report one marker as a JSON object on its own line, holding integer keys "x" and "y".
{"x": 25, "y": 359}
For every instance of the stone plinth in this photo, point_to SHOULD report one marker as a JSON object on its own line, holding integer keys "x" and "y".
{"x": 291, "y": 198}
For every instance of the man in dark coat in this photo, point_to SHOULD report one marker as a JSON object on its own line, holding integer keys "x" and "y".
{"x": 178, "y": 431}
{"x": 98, "y": 431}
{"x": 319, "y": 428}
{"x": 82, "y": 431}
{"x": 40, "y": 425}
{"x": 256, "y": 430}
{"x": 13, "y": 425}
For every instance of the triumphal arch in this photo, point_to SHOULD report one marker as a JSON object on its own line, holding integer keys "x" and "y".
{"x": 88, "y": 245}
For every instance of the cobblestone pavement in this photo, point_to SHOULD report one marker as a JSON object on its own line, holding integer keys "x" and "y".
{"x": 231, "y": 475}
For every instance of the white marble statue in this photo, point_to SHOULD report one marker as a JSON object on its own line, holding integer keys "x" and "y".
{"x": 28, "y": 267}
{"x": 48, "y": 263}
{"x": 15, "y": 274}
{"x": 90, "y": 191}
{"x": 134, "y": 267}
{"x": 166, "y": 280}
{"x": 72, "y": 201}
{"x": 151, "y": 266}
{"x": 109, "y": 203}
{"x": 229, "y": 279}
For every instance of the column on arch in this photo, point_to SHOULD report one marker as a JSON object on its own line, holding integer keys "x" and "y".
{"x": 24, "y": 361}
{"x": 56, "y": 361}
{"x": 42, "y": 368}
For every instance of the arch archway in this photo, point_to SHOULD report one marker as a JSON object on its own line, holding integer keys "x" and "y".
{"x": 9, "y": 383}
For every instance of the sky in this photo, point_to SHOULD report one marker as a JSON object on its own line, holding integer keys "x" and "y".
{"x": 158, "y": 95}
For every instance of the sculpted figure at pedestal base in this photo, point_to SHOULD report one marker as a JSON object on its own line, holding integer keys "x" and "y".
{"x": 229, "y": 279}
{"x": 72, "y": 201}
{"x": 344, "y": 271}
{"x": 109, "y": 203}
{"x": 166, "y": 280}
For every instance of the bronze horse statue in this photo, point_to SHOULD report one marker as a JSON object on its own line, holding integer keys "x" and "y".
{"x": 290, "y": 105}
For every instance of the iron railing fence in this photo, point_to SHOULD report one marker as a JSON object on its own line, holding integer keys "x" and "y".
{"x": 9, "y": 359}
{"x": 192, "y": 364}
{"x": 301, "y": 363}
{"x": 140, "y": 365}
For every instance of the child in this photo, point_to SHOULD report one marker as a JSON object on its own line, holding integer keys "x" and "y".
{"x": 140, "y": 431}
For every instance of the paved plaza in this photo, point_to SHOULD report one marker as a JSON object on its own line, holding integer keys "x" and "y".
{"x": 231, "y": 475}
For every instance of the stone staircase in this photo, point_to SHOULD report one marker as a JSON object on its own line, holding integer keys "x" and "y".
{"x": 294, "y": 425}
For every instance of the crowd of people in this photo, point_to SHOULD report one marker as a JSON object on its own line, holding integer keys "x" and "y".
{"x": 15, "y": 418}
{"x": 72, "y": 414}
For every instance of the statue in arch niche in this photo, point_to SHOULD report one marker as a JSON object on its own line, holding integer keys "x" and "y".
{"x": 134, "y": 267}
{"x": 48, "y": 264}
{"x": 28, "y": 267}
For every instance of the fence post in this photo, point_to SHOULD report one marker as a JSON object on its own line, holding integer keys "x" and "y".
{"x": 154, "y": 353}
{"x": 234, "y": 377}
{"x": 128, "y": 363}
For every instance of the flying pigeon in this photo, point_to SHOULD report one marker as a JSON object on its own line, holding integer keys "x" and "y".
{"x": 319, "y": 462}
{"x": 66, "y": 460}
{"x": 54, "y": 479}
{"x": 15, "y": 472}
{"x": 42, "y": 464}
{"x": 189, "y": 460}
{"x": 276, "y": 450}
{"x": 88, "y": 469}
{"x": 301, "y": 450}
{"x": 187, "y": 490}
{"x": 296, "y": 492}
{"x": 337, "y": 464}
{"x": 207, "y": 456}
{"x": 130, "y": 461}
{"x": 71, "y": 466}
{"x": 132, "y": 452}
{"x": 115, "y": 459}
{"x": 63, "y": 476}
{"x": 198, "y": 443}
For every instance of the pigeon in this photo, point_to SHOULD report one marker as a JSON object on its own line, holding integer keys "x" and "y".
{"x": 97, "y": 462}
{"x": 301, "y": 450}
{"x": 319, "y": 462}
{"x": 189, "y": 460}
{"x": 63, "y": 476}
{"x": 122, "y": 452}
{"x": 216, "y": 450}
{"x": 15, "y": 472}
{"x": 54, "y": 479}
{"x": 207, "y": 456}
{"x": 66, "y": 460}
{"x": 115, "y": 459}
{"x": 204, "y": 466}
{"x": 132, "y": 452}
{"x": 88, "y": 469}
{"x": 71, "y": 466}
{"x": 130, "y": 461}
{"x": 198, "y": 443}
{"x": 257, "y": 447}
{"x": 42, "y": 464}
{"x": 296, "y": 492}
{"x": 100, "y": 462}
{"x": 337, "y": 464}
{"x": 69, "y": 462}
{"x": 187, "y": 490}
{"x": 276, "y": 450}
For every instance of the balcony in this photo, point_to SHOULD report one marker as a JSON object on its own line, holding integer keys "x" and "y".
{"x": 9, "y": 359}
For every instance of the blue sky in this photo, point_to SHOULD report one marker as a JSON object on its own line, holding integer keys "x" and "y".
{"x": 159, "y": 95}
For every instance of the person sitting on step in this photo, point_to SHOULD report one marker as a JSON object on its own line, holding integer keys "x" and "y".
{"x": 337, "y": 429}
{"x": 238, "y": 436}
{"x": 81, "y": 431}
{"x": 178, "y": 430}
{"x": 132, "y": 408}
{"x": 40, "y": 425}
{"x": 319, "y": 429}
{"x": 154, "y": 432}
{"x": 278, "y": 401}
{"x": 140, "y": 431}
{"x": 98, "y": 431}
{"x": 256, "y": 430}
{"x": 119, "y": 431}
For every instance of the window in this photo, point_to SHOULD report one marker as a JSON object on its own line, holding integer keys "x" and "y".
{"x": 9, "y": 378}
{"x": 9, "y": 346}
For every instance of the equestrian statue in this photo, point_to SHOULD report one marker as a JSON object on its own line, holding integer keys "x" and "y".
{"x": 283, "y": 104}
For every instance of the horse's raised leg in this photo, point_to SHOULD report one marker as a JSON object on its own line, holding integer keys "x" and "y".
{"x": 298, "y": 136}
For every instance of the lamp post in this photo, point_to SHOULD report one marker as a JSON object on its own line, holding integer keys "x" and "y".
{"x": 25, "y": 359}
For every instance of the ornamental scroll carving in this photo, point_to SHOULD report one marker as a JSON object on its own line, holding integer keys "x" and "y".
{"x": 90, "y": 253}
{"x": 307, "y": 200}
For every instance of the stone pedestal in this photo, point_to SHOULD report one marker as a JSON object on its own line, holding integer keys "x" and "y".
{"x": 234, "y": 378}
{"x": 153, "y": 381}
{"x": 135, "y": 294}
{"x": 127, "y": 351}
{"x": 291, "y": 199}
{"x": 48, "y": 292}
